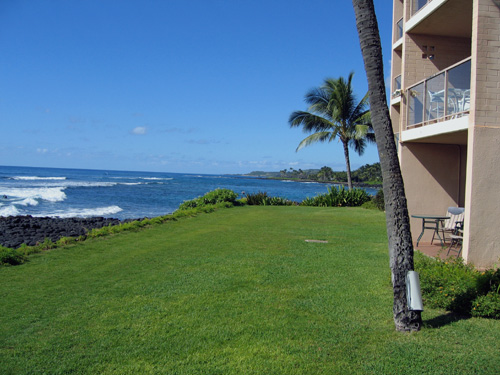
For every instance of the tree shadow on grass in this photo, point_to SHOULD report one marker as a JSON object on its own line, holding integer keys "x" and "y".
{"x": 444, "y": 320}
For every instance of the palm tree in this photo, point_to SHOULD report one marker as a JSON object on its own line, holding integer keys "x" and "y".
{"x": 398, "y": 222}
{"x": 333, "y": 113}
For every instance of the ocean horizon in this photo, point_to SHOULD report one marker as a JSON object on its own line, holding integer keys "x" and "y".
{"x": 63, "y": 192}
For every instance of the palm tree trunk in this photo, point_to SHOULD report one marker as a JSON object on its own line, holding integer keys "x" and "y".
{"x": 398, "y": 222}
{"x": 347, "y": 164}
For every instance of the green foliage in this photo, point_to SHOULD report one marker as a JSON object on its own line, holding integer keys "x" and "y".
{"x": 28, "y": 250}
{"x": 378, "y": 200}
{"x": 325, "y": 174}
{"x": 256, "y": 199}
{"x": 455, "y": 286}
{"x": 487, "y": 306}
{"x": 338, "y": 197}
{"x": 47, "y": 244}
{"x": 65, "y": 241}
{"x": 262, "y": 199}
{"x": 210, "y": 198}
{"x": 368, "y": 173}
{"x": 278, "y": 201}
{"x": 11, "y": 257}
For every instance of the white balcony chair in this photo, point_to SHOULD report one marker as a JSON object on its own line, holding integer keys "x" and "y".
{"x": 436, "y": 104}
{"x": 465, "y": 101}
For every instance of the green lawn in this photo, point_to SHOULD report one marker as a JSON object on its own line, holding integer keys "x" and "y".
{"x": 238, "y": 291}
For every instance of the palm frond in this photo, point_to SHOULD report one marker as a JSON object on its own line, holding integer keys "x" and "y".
{"x": 309, "y": 121}
{"x": 358, "y": 144}
{"x": 335, "y": 113}
{"x": 317, "y": 99}
{"x": 314, "y": 138}
{"x": 359, "y": 111}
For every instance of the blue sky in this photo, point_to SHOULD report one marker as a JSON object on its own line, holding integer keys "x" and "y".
{"x": 194, "y": 86}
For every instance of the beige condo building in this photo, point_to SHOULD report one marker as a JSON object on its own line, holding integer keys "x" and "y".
{"x": 445, "y": 110}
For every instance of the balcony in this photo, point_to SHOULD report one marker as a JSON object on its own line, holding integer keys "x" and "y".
{"x": 440, "y": 17}
{"x": 444, "y": 96}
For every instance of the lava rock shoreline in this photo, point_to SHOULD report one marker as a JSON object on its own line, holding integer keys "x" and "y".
{"x": 29, "y": 230}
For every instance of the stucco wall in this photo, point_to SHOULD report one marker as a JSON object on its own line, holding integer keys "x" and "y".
{"x": 432, "y": 176}
{"x": 482, "y": 220}
{"x": 446, "y": 51}
{"x": 482, "y": 217}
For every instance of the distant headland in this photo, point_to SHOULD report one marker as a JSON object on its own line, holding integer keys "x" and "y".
{"x": 367, "y": 175}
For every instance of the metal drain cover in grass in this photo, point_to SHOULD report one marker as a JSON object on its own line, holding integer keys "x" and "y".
{"x": 317, "y": 241}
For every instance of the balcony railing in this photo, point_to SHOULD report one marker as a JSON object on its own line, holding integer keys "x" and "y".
{"x": 441, "y": 97}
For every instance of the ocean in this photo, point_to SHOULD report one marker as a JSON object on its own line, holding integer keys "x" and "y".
{"x": 64, "y": 193}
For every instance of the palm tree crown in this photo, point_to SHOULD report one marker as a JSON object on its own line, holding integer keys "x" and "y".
{"x": 333, "y": 113}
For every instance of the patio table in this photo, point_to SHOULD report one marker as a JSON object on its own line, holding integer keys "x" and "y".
{"x": 431, "y": 222}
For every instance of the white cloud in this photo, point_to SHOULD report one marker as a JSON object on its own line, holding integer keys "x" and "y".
{"x": 140, "y": 130}
{"x": 42, "y": 150}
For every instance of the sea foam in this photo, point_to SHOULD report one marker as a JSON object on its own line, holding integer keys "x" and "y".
{"x": 35, "y": 178}
{"x": 8, "y": 211}
{"x": 28, "y": 202}
{"x": 84, "y": 212}
{"x": 53, "y": 194}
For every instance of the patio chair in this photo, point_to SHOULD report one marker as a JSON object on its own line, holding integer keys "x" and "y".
{"x": 456, "y": 242}
{"x": 436, "y": 104}
{"x": 455, "y": 223}
{"x": 464, "y": 103}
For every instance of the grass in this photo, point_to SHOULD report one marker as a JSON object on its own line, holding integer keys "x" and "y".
{"x": 237, "y": 291}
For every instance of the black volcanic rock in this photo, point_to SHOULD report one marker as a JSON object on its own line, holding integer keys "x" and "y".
{"x": 16, "y": 230}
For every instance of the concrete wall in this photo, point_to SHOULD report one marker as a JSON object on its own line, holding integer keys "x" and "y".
{"x": 482, "y": 219}
{"x": 397, "y": 14}
{"x": 446, "y": 51}
{"x": 434, "y": 180}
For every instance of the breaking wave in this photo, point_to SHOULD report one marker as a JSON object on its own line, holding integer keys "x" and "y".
{"x": 8, "y": 211}
{"x": 83, "y": 212}
{"x": 50, "y": 194}
{"x": 36, "y": 178}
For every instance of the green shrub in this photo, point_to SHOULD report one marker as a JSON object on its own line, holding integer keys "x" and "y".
{"x": 186, "y": 205}
{"x": 11, "y": 257}
{"x": 339, "y": 197}
{"x": 219, "y": 196}
{"x": 28, "y": 250}
{"x": 262, "y": 199}
{"x": 212, "y": 197}
{"x": 257, "y": 199}
{"x": 378, "y": 200}
{"x": 64, "y": 241}
{"x": 487, "y": 306}
{"x": 455, "y": 286}
{"x": 278, "y": 201}
{"x": 186, "y": 212}
{"x": 46, "y": 245}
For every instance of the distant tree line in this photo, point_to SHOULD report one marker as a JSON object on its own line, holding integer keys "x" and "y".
{"x": 367, "y": 174}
